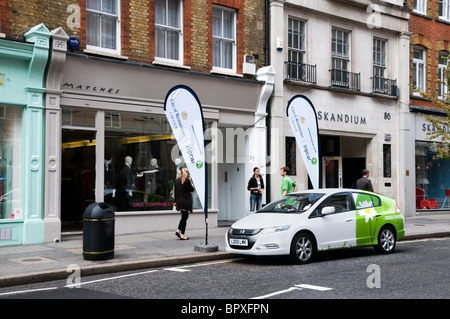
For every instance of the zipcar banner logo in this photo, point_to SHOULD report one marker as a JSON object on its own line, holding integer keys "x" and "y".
{"x": 184, "y": 113}
{"x": 303, "y": 119}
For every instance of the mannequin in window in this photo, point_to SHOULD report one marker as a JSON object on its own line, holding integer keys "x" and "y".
{"x": 124, "y": 185}
{"x": 109, "y": 173}
{"x": 153, "y": 178}
{"x": 109, "y": 180}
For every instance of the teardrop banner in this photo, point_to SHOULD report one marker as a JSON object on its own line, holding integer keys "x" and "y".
{"x": 303, "y": 119}
{"x": 185, "y": 116}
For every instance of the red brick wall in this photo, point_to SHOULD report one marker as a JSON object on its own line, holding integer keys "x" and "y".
{"x": 137, "y": 19}
{"x": 434, "y": 35}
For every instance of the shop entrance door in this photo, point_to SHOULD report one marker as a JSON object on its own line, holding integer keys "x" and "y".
{"x": 77, "y": 176}
{"x": 332, "y": 172}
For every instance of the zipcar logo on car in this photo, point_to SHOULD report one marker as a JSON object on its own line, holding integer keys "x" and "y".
{"x": 393, "y": 216}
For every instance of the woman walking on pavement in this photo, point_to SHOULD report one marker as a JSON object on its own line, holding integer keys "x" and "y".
{"x": 183, "y": 200}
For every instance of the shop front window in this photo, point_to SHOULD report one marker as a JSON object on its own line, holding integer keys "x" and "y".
{"x": 10, "y": 162}
{"x": 432, "y": 178}
{"x": 141, "y": 163}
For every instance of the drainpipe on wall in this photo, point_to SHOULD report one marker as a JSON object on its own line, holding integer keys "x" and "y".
{"x": 259, "y": 132}
{"x": 268, "y": 122}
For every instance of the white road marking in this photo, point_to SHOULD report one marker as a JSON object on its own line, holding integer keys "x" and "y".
{"x": 25, "y": 291}
{"x": 277, "y": 293}
{"x": 296, "y": 287}
{"x": 313, "y": 287}
{"x": 177, "y": 269}
{"x": 76, "y": 284}
{"x": 207, "y": 264}
{"x": 111, "y": 278}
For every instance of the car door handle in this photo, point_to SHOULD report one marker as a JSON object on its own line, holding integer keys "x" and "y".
{"x": 348, "y": 220}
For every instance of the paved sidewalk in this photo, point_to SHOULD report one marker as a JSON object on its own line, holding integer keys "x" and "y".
{"x": 24, "y": 264}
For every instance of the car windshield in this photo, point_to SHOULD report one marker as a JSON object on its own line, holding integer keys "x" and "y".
{"x": 292, "y": 203}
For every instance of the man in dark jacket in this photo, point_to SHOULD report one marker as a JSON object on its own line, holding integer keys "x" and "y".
{"x": 364, "y": 182}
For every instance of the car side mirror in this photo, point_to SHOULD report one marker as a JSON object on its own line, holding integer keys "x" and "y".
{"x": 328, "y": 210}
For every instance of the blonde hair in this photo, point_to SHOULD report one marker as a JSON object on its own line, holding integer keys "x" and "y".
{"x": 184, "y": 174}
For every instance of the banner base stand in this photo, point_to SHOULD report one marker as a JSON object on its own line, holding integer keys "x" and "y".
{"x": 202, "y": 247}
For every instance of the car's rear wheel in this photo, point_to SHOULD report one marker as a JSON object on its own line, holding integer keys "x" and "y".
{"x": 386, "y": 240}
{"x": 302, "y": 248}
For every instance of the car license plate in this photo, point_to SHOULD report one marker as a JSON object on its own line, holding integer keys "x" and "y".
{"x": 238, "y": 242}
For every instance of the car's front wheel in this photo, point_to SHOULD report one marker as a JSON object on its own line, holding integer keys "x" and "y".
{"x": 386, "y": 240}
{"x": 302, "y": 248}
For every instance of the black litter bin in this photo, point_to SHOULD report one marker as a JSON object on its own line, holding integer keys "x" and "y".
{"x": 98, "y": 232}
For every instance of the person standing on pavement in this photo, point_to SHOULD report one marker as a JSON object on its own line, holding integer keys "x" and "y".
{"x": 364, "y": 182}
{"x": 183, "y": 200}
{"x": 287, "y": 184}
{"x": 256, "y": 188}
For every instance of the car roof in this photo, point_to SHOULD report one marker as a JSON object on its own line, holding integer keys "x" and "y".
{"x": 328, "y": 190}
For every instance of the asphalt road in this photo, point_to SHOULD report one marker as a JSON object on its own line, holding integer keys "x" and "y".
{"x": 417, "y": 270}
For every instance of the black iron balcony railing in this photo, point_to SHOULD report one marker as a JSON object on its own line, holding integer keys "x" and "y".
{"x": 300, "y": 72}
{"x": 346, "y": 79}
{"x": 384, "y": 86}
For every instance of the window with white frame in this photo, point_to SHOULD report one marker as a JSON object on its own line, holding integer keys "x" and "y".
{"x": 444, "y": 10}
{"x": 379, "y": 64}
{"x": 296, "y": 40}
{"x": 420, "y": 6}
{"x": 340, "y": 56}
{"x": 102, "y": 25}
{"x": 419, "y": 59}
{"x": 168, "y": 30}
{"x": 442, "y": 66}
{"x": 296, "y": 48}
{"x": 379, "y": 57}
{"x": 224, "y": 39}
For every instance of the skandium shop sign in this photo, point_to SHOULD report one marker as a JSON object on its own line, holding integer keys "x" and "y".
{"x": 341, "y": 117}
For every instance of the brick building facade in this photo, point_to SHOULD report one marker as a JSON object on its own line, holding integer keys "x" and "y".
{"x": 429, "y": 26}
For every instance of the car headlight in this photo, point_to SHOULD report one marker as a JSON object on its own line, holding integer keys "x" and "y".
{"x": 275, "y": 229}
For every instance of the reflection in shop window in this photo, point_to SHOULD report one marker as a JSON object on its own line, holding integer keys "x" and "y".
{"x": 10, "y": 162}
{"x": 112, "y": 120}
{"x": 387, "y": 160}
{"x": 139, "y": 168}
{"x": 291, "y": 158}
{"x": 432, "y": 177}
{"x": 78, "y": 117}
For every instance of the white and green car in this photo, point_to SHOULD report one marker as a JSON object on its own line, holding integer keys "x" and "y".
{"x": 303, "y": 223}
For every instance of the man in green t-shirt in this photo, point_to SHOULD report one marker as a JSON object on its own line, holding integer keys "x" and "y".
{"x": 287, "y": 184}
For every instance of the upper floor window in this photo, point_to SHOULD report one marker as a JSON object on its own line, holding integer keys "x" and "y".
{"x": 102, "y": 25}
{"x": 296, "y": 66}
{"x": 224, "y": 39}
{"x": 419, "y": 60}
{"x": 168, "y": 30}
{"x": 442, "y": 66}
{"x": 381, "y": 84}
{"x": 444, "y": 9}
{"x": 379, "y": 58}
{"x": 340, "y": 45}
{"x": 340, "y": 58}
{"x": 420, "y": 6}
{"x": 296, "y": 41}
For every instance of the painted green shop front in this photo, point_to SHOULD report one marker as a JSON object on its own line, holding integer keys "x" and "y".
{"x": 22, "y": 69}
